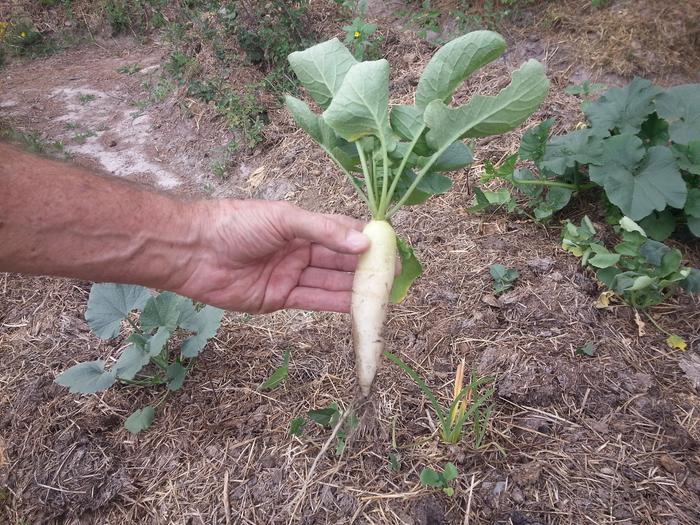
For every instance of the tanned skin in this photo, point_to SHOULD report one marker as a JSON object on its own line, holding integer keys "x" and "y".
{"x": 250, "y": 256}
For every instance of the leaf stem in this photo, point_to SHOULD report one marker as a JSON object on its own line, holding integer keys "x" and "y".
{"x": 352, "y": 180}
{"x": 399, "y": 173}
{"x": 369, "y": 182}
{"x": 553, "y": 184}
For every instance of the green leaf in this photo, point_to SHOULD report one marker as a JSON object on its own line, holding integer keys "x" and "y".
{"x": 692, "y": 203}
{"x": 162, "y": 310}
{"x": 625, "y": 108}
{"x": 556, "y": 199}
{"x": 694, "y": 225}
{"x": 654, "y": 131}
{"x": 638, "y": 189}
{"x": 407, "y": 121}
{"x": 587, "y": 87}
{"x": 322, "y": 68}
{"x": 582, "y": 146}
{"x": 86, "y": 378}
{"x": 454, "y": 62}
{"x": 131, "y": 361}
{"x": 205, "y": 324}
{"x": 140, "y": 420}
{"x": 587, "y": 349}
{"x": 503, "y": 278}
{"x": 602, "y": 258}
{"x": 279, "y": 375}
{"x": 297, "y": 426}
{"x": 691, "y": 283}
{"x": 157, "y": 341}
{"x": 534, "y": 142}
{"x": 621, "y": 152}
{"x": 430, "y": 478}
{"x": 176, "y": 376}
{"x": 670, "y": 262}
{"x": 688, "y": 157}
{"x": 455, "y": 157}
{"x": 450, "y": 472}
{"x": 483, "y": 199}
{"x": 488, "y": 115}
{"x": 659, "y": 226}
{"x": 325, "y": 416}
{"x": 394, "y": 461}
{"x": 629, "y": 225}
{"x": 431, "y": 184}
{"x": 109, "y": 304}
{"x": 653, "y": 252}
{"x": 360, "y": 107}
{"x": 411, "y": 269}
{"x": 680, "y": 106}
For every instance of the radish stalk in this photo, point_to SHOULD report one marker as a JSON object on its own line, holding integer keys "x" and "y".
{"x": 395, "y": 156}
{"x": 371, "y": 289}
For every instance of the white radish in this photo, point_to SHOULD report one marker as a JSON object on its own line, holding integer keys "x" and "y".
{"x": 371, "y": 289}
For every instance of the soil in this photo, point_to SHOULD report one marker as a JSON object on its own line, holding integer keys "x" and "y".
{"x": 612, "y": 438}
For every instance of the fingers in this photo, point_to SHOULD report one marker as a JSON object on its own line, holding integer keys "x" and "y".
{"x": 305, "y": 298}
{"x": 326, "y": 279}
{"x": 332, "y": 231}
{"x": 322, "y": 257}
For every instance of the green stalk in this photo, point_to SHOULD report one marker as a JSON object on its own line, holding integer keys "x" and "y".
{"x": 402, "y": 166}
{"x": 554, "y": 184}
{"x": 415, "y": 183}
{"x": 369, "y": 182}
{"x": 352, "y": 180}
{"x": 384, "y": 202}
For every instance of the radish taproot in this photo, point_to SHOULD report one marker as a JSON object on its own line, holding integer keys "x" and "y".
{"x": 395, "y": 156}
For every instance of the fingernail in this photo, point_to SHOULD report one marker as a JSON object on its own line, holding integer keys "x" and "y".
{"x": 357, "y": 241}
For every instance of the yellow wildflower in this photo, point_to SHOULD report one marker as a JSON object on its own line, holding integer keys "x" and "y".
{"x": 23, "y": 34}
{"x": 3, "y": 29}
{"x": 358, "y": 34}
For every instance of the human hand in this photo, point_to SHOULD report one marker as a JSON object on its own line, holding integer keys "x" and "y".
{"x": 261, "y": 256}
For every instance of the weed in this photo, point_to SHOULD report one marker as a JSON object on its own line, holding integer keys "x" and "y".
{"x": 162, "y": 315}
{"x": 503, "y": 278}
{"x": 441, "y": 480}
{"x": 468, "y": 403}
{"x": 129, "y": 69}
{"x": 82, "y": 136}
{"x": 86, "y": 98}
{"x": 34, "y": 142}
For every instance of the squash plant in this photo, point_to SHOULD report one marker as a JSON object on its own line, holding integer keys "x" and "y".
{"x": 397, "y": 155}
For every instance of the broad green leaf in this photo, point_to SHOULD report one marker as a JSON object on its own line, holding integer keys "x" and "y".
{"x": 205, "y": 325}
{"x": 176, "y": 376}
{"x": 360, "y": 107}
{"x": 109, "y": 304}
{"x": 279, "y": 375}
{"x": 582, "y": 146}
{"x": 619, "y": 153}
{"x": 654, "y": 131}
{"x": 140, "y": 420}
{"x": 692, "y": 203}
{"x": 488, "y": 115}
{"x": 407, "y": 121}
{"x": 157, "y": 341}
{"x": 607, "y": 277}
{"x": 162, "y": 310}
{"x": 411, "y": 269}
{"x": 531, "y": 190}
{"x": 694, "y": 225}
{"x": 625, "y": 108}
{"x": 457, "y": 156}
{"x": 691, "y": 283}
{"x": 602, "y": 258}
{"x": 325, "y": 416}
{"x": 653, "y": 252}
{"x": 640, "y": 283}
{"x": 555, "y": 200}
{"x": 430, "y": 184}
{"x": 454, "y": 62}
{"x": 86, "y": 378}
{"x": 629, "y": 225}
{"x": 131, "y": 361}
{"x": 503, "y": 278}
{"x": 430, "y": 478}
{"x": 450, "y": 472}
{"x": 322, "y": 68}
{"x": 483, "y": 199}
{"x": 688, "y": 157}
{"x": 652, "y": 185}
{"x": 297, "y": 425}
{"x": 670, "y": 262}
{"x": 503, "y": 171}
{"x": 680, "y": 106}
{"x": 587, "y": 349}
{"x": 659, "y": 226}
{"x": 534, "y": 142}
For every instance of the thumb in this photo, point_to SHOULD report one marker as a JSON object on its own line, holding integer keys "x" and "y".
{"x": 337, "y": 232}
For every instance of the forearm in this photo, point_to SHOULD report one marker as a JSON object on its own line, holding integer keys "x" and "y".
{"x": 58, "y": 219}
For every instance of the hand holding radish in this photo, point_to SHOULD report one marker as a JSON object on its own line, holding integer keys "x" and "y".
{"x": 395, "y": 155}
